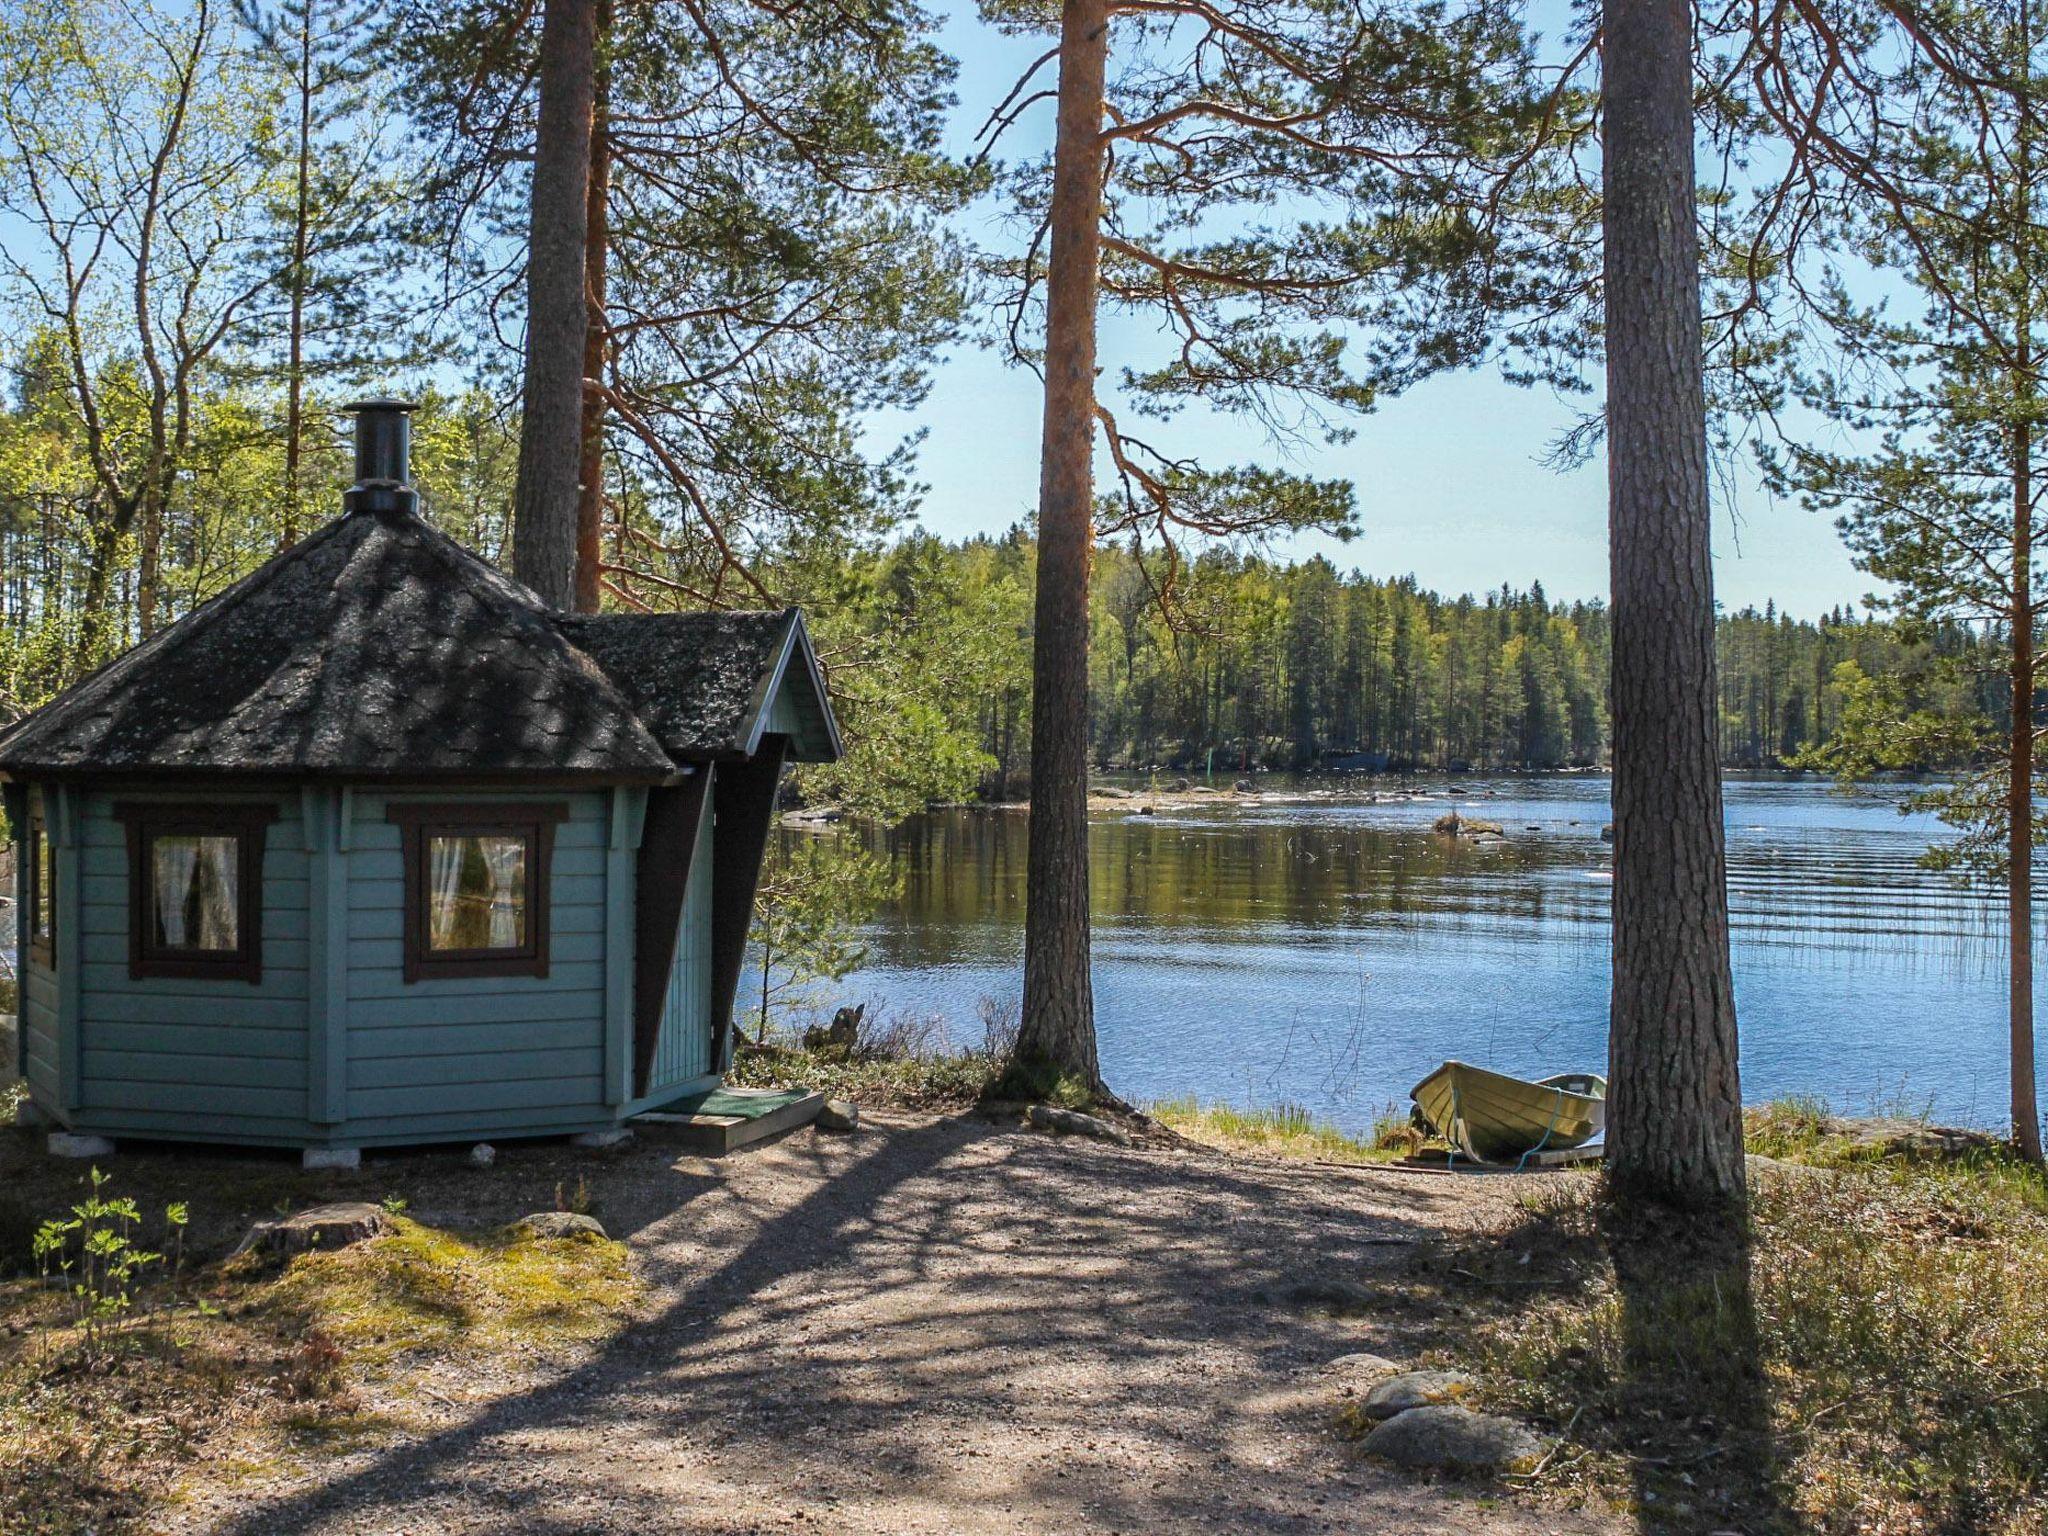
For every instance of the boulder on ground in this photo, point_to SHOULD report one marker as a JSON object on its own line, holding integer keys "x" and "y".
{"x": 318, "y": 1227}
{"x": 839, "y": 1115}
{"x": 482, "y": 1155}
{"x": 1110, "y": 792}
{"x": 1448, "y": 1438}
{"x": 1339, "y": 1298}
{"x": 1071, "y": 1122}
{"x": 1894, "y": 1136}
{"x": 1245, "y": 787}
{"x": 1414, "y": 1389}
{"x": 571, "y": 1224}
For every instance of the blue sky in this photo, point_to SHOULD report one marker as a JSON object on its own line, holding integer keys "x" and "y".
{"x": 1450, "y": 479}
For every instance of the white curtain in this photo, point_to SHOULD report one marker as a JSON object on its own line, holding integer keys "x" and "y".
{"x": 444, "y": 855}
{"x": 216, "y": 879}
{"x": 175, "y": 861}
{"x": 506, "y": 859}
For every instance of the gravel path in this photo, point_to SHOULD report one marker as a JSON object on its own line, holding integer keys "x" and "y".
{"x": 938, "y": 1325}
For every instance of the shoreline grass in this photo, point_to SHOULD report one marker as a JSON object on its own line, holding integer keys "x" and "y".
{"x": 1864, "y": 1357}
{"x": 1286, "y": 1130}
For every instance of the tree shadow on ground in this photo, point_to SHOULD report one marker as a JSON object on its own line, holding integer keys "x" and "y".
{"x": 946, "y": 1326}
{"x": 1692, "y": 1361}
{"x": 1635, "y": 1334}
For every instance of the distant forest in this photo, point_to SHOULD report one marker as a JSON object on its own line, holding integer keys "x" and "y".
{"x": 1261, "y": 663}
{"x": 1299, "y": 666}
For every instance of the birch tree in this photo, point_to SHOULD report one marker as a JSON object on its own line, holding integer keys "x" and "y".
{"x": 135, "y": 146}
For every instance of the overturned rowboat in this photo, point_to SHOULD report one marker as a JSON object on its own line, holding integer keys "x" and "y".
{"x": 1496, "y": 1118}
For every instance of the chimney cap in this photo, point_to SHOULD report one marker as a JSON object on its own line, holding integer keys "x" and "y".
{"x": 383, "y": 454}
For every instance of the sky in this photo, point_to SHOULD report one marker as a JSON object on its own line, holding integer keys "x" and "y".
{"x": 1450, "y": 478}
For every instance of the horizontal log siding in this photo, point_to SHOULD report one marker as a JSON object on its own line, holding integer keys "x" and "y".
{"x": 39, "y": 1021}
{"x": 683, "y": 1051}
{"x": 496, "y": 1055}
{"x": 184, "y": 1056}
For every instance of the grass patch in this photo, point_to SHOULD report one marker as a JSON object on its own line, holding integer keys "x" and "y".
{"x": 1866, "y": 1358}
{"x": 421, "y": 1291}
{"x": 239, "y": 1366}
{"x": 950, "y": 1081}
{"x": 1287, "y": 1130}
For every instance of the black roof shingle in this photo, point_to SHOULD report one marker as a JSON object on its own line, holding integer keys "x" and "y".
{"x": 380, "y": 647}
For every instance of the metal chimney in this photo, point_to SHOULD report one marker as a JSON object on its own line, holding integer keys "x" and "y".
{"x": 383, "y": 457}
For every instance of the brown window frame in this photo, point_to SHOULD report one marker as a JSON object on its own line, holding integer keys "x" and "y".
{"x": 42, "y": 947}
{"x": 419, "y": 822}
{"x": 249, "y": 825}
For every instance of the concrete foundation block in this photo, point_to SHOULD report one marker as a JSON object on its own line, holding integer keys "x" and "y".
{"x": 73, "y": 1144}
{"x": 331, "y": 1159}
{"x": 616, "y": 1136}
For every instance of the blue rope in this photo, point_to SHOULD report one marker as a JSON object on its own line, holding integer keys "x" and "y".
{"x": 1522, "y": 1163}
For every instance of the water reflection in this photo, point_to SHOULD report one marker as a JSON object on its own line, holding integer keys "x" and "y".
{"x": 1331, "y": 951}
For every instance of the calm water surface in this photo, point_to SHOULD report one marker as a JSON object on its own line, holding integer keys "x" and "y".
{"x": 1331, "y": 952}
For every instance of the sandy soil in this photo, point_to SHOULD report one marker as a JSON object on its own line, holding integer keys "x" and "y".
{"x": 939, "y": 1325}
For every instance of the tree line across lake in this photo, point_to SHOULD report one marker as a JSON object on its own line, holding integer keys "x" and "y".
{"x": 1228, "y": 660}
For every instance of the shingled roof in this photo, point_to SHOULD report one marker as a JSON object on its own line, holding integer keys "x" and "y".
{"x": 381, "y": 648}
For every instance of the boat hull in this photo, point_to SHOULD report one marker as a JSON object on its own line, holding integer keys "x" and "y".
{"x": 1496, "y": 1118}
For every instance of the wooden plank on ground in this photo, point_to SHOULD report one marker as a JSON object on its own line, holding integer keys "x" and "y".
{"x": 725, "y": 1119}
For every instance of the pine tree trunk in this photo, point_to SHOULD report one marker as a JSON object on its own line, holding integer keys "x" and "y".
{"x": 1059, "y": 1010}
{"x": 2026, "y": 1113}
{"x": 596, "y": 246}
{"x": 295, "y": 364}
{"x": 1674, "y": 1116}
{"x": 544, "y": 501}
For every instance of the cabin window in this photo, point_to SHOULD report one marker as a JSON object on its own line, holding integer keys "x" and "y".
{"x": 42, "y": 891}
{"x": 195, "y": 890}
{"x": 476, "y": 887}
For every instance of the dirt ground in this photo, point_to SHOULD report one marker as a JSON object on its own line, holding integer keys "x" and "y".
{"x": 943, "y": 1325}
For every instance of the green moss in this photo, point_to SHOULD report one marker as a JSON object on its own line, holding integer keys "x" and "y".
{"x": 421, "y": 1290}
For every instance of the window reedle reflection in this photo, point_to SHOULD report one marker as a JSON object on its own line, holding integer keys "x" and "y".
{"x": 195, "y": 880}
{"x": 476, "y": 897}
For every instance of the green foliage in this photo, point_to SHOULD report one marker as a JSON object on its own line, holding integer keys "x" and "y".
{"x": 1308, "y": 207}
{"x": 93, "y": 1255}
{"x": 815, "y": 894}
{"x": 1873, "y": 1366}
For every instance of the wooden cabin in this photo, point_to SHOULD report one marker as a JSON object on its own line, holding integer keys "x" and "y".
{"x": 376, "y": 848}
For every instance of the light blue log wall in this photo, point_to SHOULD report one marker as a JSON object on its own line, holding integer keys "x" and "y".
{"x": 39, "y": 994}
{"x": 185, "y": 1057}
{"x": 498, "y": 1054}
{"x": 333, "y": 1047}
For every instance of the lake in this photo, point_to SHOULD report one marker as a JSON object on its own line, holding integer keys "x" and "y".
{"x": 1329, "y": 952}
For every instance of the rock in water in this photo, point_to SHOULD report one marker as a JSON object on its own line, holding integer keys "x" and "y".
{"x": 1445, "y": 1437}
{"x": 1071, "y": 1122}
{"x": 560, "y": 1224}
{"x": 319, "y": 1227}
{"x": 839, "y": 1115}
{"x": 1414, "y": 1389}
